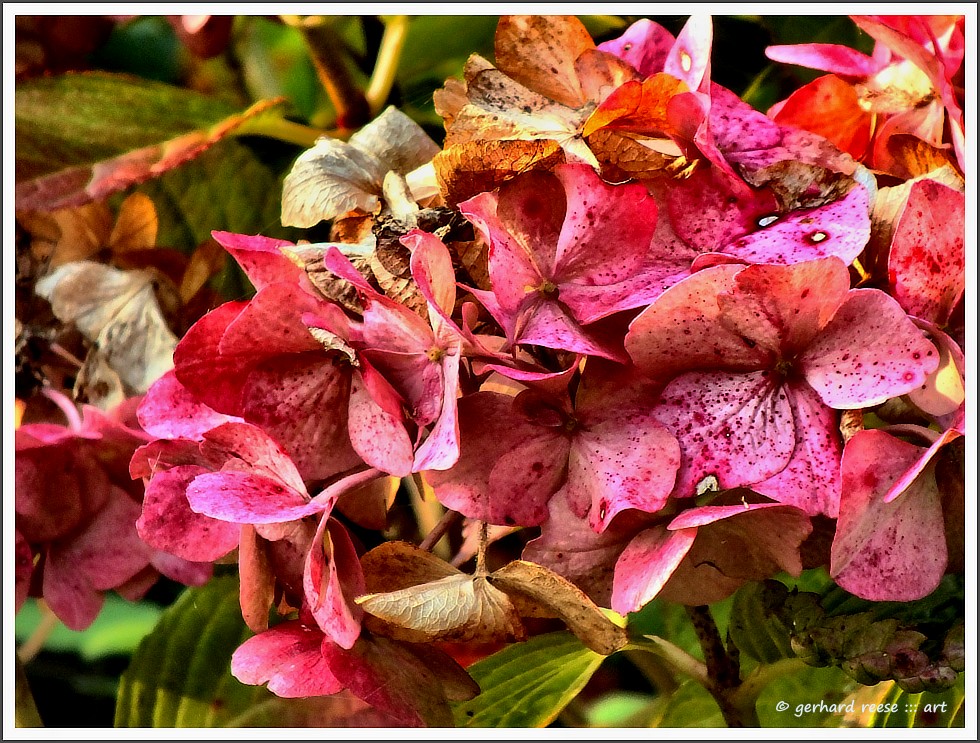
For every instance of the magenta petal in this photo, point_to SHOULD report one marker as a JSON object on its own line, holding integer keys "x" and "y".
{"x": 840, "y": 229}
{"x": 432, "y": 269}
{"x": 178, "y": 569}
{"x": 811, "y": 480}
{"x": 836, "y": 58}
{"x": 210, "y": 377}
{"x": 288, "y": 659}
{"x": 269, "y": 325}
{"x": 242, "y": 498}
{"x": 168, "y": 523}
{"x": 927, "y": 259}
{"x": 69, "y": 594}
{"x": 689, "y": 59}
{"x": 331, "y": 578}
{"x": 737, "y": 427}
{"x": 169, "y": 411}
{"x": 646, "y": 565}
{"x": 524, "y": 479}
{"x": 243, "y": 447}
{"x": 887, "y": 551}
{"x": 871, "y": 351}
{"x": 261, "y": 258}
{"x": 551, "y": 325}
{"x": 378, "y": 436}
{"x": 682, "y": 330}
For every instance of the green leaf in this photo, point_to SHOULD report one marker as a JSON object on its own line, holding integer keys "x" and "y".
{"x": 180, "y": 675}
{"x": 784, "y": 702}
{"x": 887, "y": 706}
{"x": 527, "y": 684}
{"x": 116, "y": 631}
{"x": 690, "y": 706}
{"x": 757, "y": 631}
{"x": 63, "y": 156}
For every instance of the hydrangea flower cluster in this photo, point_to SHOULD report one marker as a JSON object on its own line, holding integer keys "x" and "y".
{"x": 655, "y": 334}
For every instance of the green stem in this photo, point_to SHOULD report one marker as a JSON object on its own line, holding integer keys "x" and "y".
{"x": 33, "y": 644}
{"x": 386, "y": 66}
{"x": 281, "y": 129}
{"x": 676, "y": 658}
{"x": 25, "y": 709}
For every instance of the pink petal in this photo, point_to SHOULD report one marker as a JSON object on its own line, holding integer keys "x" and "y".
{"x": 690, "y": 57}
{"x": 645, "y": 45}
{"x": 241, "y": 498}
{"x": 243, "y": 447}
{"x": 841, "y": 229}
{"x": 836, "y": 58}
{"x": 168, "y": 523}
{"x": 331, "y": 578}
{"x": 261, "y": 258}
{"x": 870, "y": 352}
{"x": 288, "y": 659}
{"x": 622, "y": 459}
{"x": 23, "y": 569}
{"x": 599, "y": 215}
{"x": 887, "y": 551}
{"x": 440, "y": 450}
{"x": 811, "y": 480}
{"x": 646, "y": 565}
{"x": 69, "y": 594}
{"x": 682, "y": 329}
{"x": 169, "y": 411}
{"x": 378, "y": 436}
{"x": 178, "y": 569}
{"x": 783, "y": 308}
{"x": 524, "y": 479}
{"x": 210, "y": 377}
{"x": 432, "y": 269}
{"x": 737, "y": 427}
{"x": 551, "y": 325}
{"x": 927, "y": 259}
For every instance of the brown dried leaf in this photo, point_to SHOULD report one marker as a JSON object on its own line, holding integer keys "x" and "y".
{"x": 545, "y": 587}
{"x": 457, "y": 608}
{"x": 205, "y": 262}
{"x": 633, "y": 156}
{"x": 119, "y": 312}
{"x": 368, "y": 505}
{"x": 469, "y": 168}
{"x": 393, "y": 566}
{"x": 70, "y": 234}
{"x": 136, "y": 224}
{"x": 539, "y": 51}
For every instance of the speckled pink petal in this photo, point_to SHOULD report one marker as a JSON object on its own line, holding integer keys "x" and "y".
{"x": 783, "y": 308}
{"x": 525, "y": 478}
{"x": 836, "y": 58}
{"x": 841, "y": 229}
{"x": 270, "y": 324}
{"x": 645, "y": 45}
{"x": 331, "y": 578}
{"x": 927, "y": 259}
{"x": 690, "y": 57}
{"x": 518, "y": 261}
{"x": 646, "y": 565}
{"x": 246, "y": 448}
{"x": 708, "y": 214}
{"x": 169, "y": 411}
{"x": 168, "y": 523}
{"x": 912, "y": 474}
{"x": 440, "y": 450}
{"x": 158, "y": 456}
{"x": 279, "y": 396}
{"x": 737, "y": 427}
{"x": 943, "y": 396}
{"x": 287, "y": 657}
{"x": 213, "y": 379}
{"x": 811, "y": 480}
{"x": 599, "y": 216}
{"x": 682, "y": 329}
{"x": 432, "y": 269}
{"x": 887, "y": 551}
{"x": 621, "y": 460}
{"x": 109, "y": 551}
{"x": 378, "y": 436}
{"x": 242, "y": 498}
{"x": 261, "y": 258}
{"x": 870, "y": 351}
{"x": 550, "y": 324}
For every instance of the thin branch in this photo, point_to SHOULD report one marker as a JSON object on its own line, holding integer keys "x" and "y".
{"x": 448, "y": 521}
{"x": 428, "y": 512}
{"x": 34, "y": 644}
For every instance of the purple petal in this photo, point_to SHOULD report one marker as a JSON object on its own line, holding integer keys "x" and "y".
{"x": 870, "y": 352}
{"x": 738, "y": 428}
